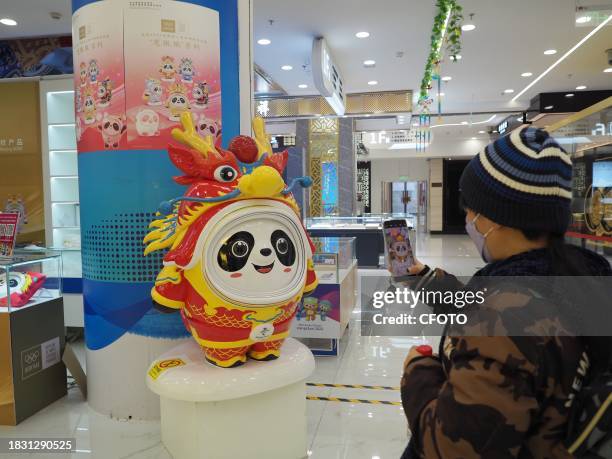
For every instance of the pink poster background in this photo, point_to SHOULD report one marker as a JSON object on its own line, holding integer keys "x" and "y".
{"x": 172, "y": 62}
{"x": 99, "y": 78}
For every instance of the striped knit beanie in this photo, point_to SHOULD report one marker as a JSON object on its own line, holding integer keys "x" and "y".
{"x": 522, "y": 180}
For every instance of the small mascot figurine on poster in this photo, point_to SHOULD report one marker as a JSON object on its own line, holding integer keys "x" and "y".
{"x": 239, "y": 259}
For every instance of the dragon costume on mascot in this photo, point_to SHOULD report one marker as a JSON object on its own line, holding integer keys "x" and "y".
{"x": 239, "y": 257}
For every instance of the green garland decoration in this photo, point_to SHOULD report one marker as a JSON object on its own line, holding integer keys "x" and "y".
{"x": 451, "y": 34}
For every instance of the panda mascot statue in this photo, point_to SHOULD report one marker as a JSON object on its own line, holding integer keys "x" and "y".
{"x": 239, "y": 258}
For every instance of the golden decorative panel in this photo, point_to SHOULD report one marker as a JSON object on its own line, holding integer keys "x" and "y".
{"x": 295, "y": 107}
{"x": 315, "y": 190}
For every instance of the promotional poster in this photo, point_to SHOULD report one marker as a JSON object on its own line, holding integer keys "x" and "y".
{"x": 318, "y": 314}
{"x": 99, "y": 92}
{"x": 8, "y": 233}
{"x": 180, "y": 72}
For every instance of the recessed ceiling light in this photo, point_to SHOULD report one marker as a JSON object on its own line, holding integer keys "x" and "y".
{"x": 570, "y": 94}
{"x": 362, "y": 34}
{"x": 287, "y": 67}
{"x": 473, "y": 138}
{"x": 373, "y": 83}
{"x": 482, "y": 132}
{"x": 583, "y": 19}
{"x": 581, "y": 87}
{"x": 549, "y": 107}
{"x": 508, "y": 91}
{"x": 550, "y": 52}
{"x": 464, "y": 122}
{"x": 456, "y": 57}
{"x": 369, "y": 63}
{"x": 563, "y": 57}
{"x": 608, "y": 70}
{"x": 526, "y": 74}
{"x": 302, "y": 86}
{"x": 447, "y": 78}
{"x": 468, "y": 27}
{"x": 8, "y": 22}
{"x": 441, "y": 94}
{"x": 264, "y": 41}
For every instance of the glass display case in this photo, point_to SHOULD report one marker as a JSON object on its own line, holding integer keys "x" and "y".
{"x": 587, "y": 136}
{"x": 29, "y": 279}
{"x": 334, "y": 257}
{"x": 367, "y": 229}
{"x": 323, "y": 315}
{"x": 365, "y": 222}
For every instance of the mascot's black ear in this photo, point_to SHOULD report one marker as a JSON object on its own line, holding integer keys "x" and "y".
{"x": 164, "y": 309}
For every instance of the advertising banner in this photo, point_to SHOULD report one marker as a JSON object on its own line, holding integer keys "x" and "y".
{"x": 99, "y": 90}
{"x": 180, "y": 72}
{"x": 21, "y": 187}
{"x": 8, "y": 233}
{"x": 129, "y": 99}
{"x": 318, "y": 314}
{"x": 138, "y": 66}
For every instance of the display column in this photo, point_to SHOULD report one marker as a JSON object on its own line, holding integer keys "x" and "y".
{"x": 296, "y": 164}
{"x": 138, "y": 66}
{"x": 347, "y": 182}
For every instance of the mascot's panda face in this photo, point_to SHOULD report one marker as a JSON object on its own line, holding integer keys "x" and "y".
{"x": 258, "y": 256}
{"x": 16, "y": 283}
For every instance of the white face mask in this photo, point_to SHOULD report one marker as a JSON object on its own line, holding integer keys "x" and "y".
{"x": 478, "y": 239}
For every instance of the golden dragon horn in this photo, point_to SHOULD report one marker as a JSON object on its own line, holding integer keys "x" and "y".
{"x": 188, "y": 136}
{"x": 262, "y": 139}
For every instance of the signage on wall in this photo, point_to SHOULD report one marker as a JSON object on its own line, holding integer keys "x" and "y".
{"x": 11, "y": 145}
{"x": 601, "y": 129}
{"x": 327, "y": 77}
{"x": 263, "y": 108}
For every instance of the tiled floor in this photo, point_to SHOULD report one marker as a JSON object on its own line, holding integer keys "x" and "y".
{"x": 336, "y": 430}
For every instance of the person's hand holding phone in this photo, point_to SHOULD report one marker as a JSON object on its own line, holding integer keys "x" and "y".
{"x": 413, "y": 270}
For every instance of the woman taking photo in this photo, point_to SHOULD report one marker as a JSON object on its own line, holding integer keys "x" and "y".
{"x": 498, "y": 395}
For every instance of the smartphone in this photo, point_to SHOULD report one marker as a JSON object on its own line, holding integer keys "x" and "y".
{"x": 398, "y": 251}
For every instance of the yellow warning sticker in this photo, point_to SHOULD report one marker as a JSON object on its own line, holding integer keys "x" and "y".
{"x": 164, "y": 365}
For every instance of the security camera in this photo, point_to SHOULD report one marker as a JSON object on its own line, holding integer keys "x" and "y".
{"x": 609, "y": 56}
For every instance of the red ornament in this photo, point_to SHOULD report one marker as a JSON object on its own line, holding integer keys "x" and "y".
{"x": 425, "y": 350}
{"x": 244, "y": 148}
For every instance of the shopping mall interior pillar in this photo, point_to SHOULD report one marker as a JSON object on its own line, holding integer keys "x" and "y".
{"x": 134, "y": 61}
{"x": 346, "y": 168}
{"x": 324, "y": 150}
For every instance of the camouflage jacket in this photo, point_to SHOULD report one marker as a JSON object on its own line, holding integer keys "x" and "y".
{"x": 494, "y": 396}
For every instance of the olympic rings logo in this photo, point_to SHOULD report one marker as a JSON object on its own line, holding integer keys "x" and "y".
{"x": 31, "y": 357}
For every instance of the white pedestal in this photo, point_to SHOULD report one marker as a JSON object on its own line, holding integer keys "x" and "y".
{"x": 254, "y": 411}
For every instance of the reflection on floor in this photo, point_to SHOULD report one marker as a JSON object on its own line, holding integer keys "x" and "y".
{"x": 336, "y": 430}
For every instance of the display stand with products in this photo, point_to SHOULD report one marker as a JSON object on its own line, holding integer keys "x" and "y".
{"x": 323, "y": 315}
{"x": 61, "y": 187}
{"x": 591, "y": 225}
{"x": 257, "y": 410}
{"x": 366, "y": 229}
{"x": 32, "y": 374}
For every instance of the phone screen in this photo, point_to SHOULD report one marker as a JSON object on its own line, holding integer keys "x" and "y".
{"x": 398, "y": 251}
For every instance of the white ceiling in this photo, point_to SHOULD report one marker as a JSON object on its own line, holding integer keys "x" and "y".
{"x": 509, "y": 39}
{"x": 33, "y": 18}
